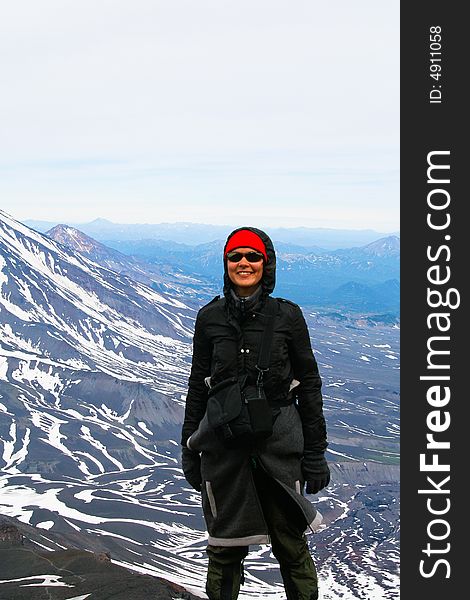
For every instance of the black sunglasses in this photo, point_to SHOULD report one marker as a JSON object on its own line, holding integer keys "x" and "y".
{"x": 251, "y": 257}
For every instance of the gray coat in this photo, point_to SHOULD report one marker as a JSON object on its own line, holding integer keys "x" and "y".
{"x": 231, "y": 507}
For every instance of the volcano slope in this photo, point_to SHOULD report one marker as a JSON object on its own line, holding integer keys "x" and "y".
{"x": 93, "y": 375}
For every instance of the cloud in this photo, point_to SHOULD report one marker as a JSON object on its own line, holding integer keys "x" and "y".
{"x": 140, "y": 87}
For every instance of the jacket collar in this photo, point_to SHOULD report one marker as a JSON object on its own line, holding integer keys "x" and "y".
{"x": 242, "y": 305}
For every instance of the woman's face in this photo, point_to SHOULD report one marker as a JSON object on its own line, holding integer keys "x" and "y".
{"x": 245, "y": 275}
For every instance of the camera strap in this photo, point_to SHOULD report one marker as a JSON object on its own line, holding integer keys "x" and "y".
{"x": 267, "y": 339}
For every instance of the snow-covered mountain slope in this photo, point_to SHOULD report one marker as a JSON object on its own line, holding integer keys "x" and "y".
{"x": 93, "y": 372}
{"x": 84, "y": 349}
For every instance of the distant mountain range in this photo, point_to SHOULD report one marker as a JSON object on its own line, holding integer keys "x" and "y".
{"x": 196, "y": 233}
{"x": 362, "y": 279}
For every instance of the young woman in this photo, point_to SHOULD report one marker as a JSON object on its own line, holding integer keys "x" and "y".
{"x": 253, "y": 493}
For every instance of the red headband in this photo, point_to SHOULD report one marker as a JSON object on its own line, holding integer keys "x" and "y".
{"x": 246, "y": 239}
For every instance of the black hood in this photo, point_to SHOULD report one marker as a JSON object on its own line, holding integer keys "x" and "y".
{"x": 268, "y": 281}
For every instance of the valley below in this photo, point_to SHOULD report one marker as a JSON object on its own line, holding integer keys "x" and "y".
{"x": 132, "y": 501}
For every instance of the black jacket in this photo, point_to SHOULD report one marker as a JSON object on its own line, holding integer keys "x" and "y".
{"x": 226, "y": 344}
{"x": 225, "y": 347}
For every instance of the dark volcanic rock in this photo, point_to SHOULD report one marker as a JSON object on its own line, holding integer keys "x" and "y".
{"x": 29, "y": 573}
{"x": 9, "y": 534}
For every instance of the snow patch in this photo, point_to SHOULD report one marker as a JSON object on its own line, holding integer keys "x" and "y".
{"x": 3, "y": 369}
{"x": 47, "y": 581}
{"x": 144, "y": 427}
{"x": 49, "y": 381}
{"x": 45, "y": 524}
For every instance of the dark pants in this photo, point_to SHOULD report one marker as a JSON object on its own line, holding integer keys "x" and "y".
{"x": 225, "y": 571}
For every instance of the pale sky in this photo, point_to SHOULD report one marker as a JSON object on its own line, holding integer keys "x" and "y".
{"x": 214, "y": 111}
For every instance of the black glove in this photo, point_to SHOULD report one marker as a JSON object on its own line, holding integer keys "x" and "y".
{"x": 316, "y": 472}
{"x": 191, "y": 464}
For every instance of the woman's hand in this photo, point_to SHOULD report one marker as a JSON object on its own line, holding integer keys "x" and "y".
{"x": 191, "y": 464}
{"x": 316, "y": 472}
